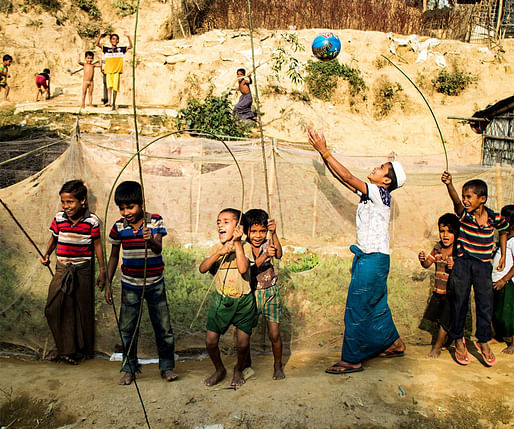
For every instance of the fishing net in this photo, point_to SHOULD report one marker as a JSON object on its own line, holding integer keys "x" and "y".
{"x": 188, "y": 180}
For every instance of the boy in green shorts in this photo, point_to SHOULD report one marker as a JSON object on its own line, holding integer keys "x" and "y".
{"x": 264, "y": 278}
{"x": 234, "y": 303}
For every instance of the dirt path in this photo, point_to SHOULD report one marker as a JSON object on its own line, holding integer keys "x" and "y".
{"x": 433, "y": 393}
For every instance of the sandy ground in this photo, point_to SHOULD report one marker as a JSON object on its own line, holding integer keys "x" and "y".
{"x": 411, "y": 391}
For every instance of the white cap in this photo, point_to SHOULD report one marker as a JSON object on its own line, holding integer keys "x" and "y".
{"x": 399, "y": 172}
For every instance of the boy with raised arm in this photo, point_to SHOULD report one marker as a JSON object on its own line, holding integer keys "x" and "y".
{"x": 88, "y": 84}
{"x": 473, "y": 265}
{"x": 234, "y": 303}
{"x": 369, "y": 326}
{"x": 113, "y": 56}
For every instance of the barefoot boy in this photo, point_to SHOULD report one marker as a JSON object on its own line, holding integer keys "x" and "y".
{"x": 243, "y": 108}
{"x": 113, "y": 64}
{"x": 473, "y": 265}
{"x": 264, "y": 279}
{"x": 4, "y": 74}
{"x": 369, "y": 327}
{"x": 234, "y": 303}
{"x": 88, "y": 83}
{"x": 131, "y": 233}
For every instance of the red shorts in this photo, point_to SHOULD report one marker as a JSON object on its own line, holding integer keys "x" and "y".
{"x": 41, "y": 82}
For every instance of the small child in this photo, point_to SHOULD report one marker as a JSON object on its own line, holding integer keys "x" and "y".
{"x": 503, "y": 315}
{"x": 113, "y": 64}
{"x": 131, "y": 233}
{"x": 473, "y": 266}
{"x": 243, "y": 108}
{"x": 264, "y": 278}
{"x": 4, "y": 74}
{"x": 234, "y": 303}
{"x": 88, "y": 83}
{"x": 369, "y": 326}
{"x": 43, "y": 84}
{"x": 438, "y": 309}
{"x": 70, "y": 307}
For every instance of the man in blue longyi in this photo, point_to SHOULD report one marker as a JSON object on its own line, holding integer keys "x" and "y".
{"x": 369, "y": 326}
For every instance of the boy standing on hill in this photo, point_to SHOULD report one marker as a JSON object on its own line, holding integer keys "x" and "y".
{"x": 88, "y": 83}
{"x": 473, "y": 265}
{"x": 4, "y": 74}
{"x": 369, "y": 329}
{"x": 113, "y": 64}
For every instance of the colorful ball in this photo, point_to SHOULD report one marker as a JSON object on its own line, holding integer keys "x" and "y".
{"x": 326, "y": 46}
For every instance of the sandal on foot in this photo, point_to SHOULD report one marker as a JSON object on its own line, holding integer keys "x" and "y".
{"x": 169, "y": 375}
{"x": 127, "y": 379}
{"x": 391, "y": 353}
{"x": 53, "y": 356}
{"x": 462, "y": 360}
{"x": 69, "y": 360}
{"x": 339, "y": 368}
{"x": 488, "y": 361}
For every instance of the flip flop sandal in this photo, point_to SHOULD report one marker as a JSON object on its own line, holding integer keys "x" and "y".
{"x": 391, "y": 354}
{"x": 346, "y": 369}
{"x": 488, "y": 362}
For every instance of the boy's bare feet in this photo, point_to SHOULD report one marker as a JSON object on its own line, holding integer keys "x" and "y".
{"x": 434, "y": 353}
{"x": 127, "y": 379}
{"x": 238, "y": 378}
{"x": 278, "y": 373}
{"x": 509, "y": 350}
{"x": 169, "y": 375}
{"x": 216, "y": 377}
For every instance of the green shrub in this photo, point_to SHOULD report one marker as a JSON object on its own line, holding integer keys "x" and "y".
{"x": 452, "y": 83}
{"x": 6, "y": 6}
{"x": 214, "y": 115}
{"x": 35, "y": 23}
{"x": 302, "y": 262}
{"x": 296, "y": 95}
{"x": 88, "y": 30}
{"x": 387, "y": 95}
{"x": 322, "y": 78}
{"x": 125, "y": 7}
{"x": 90, "y": 7}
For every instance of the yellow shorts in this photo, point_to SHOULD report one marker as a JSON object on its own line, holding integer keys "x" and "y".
{"x": 113, "y": 81}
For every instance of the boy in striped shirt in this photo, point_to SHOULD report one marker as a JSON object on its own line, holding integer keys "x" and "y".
{"x": 473, "y": 265}
{"x": 131, "y": 232}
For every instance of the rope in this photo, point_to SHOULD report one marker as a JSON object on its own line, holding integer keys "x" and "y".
{"x": 16, "y": 158}
{"x": 429, "y": 108}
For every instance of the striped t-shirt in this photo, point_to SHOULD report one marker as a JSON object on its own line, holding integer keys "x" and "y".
{"x": 74, "y": 242}
{"x": 478, "y": 240}
{"x": 133, "y": 260}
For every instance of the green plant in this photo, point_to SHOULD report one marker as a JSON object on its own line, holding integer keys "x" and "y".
{"x": 90, "y": 7}
{"x": 213, "y": 115}
{"x": 300, "y": 96}
{"x": 125, "y": 7}
{"x": 322, "y": 78}
{"x": 88, "y": 30}
{"x": 387, "y": 94}
{"x": 302, "y": 262}
{"x": 6, "y": 6}
{"x": 35, "y": 23}
{"x": 282, "y": 57}
{"x": 452, "y": 83}
{"x": 273, "y": 89}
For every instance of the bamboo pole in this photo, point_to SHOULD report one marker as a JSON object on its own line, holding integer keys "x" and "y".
{"x": 197, "y": 221}
{"x": 315, "y": 208}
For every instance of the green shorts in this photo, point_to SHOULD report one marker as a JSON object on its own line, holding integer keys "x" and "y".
{"x": 226, "y": 311}
{"x": 269, "y": 303}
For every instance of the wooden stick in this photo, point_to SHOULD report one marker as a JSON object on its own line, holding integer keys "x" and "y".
{"x": 499, "y": 186}
{"x": 25, "y": 232}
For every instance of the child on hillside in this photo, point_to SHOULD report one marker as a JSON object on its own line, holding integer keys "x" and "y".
{"x": 113, "y": 64}
{"x": 472, "y": 265}
{"x": 369, "y": 326}
{"x": 438, "y": 309}
{"x": 4, "y": 74}
{"x": 140, "y": 240}
{"x": 264, "y": 278}
{"x": 234, "y": 303}
{"x": 70, "y": 306}
{"x": 88, "y": 84}
{"x": 243, "y": 108}
{"x": 503, "y": 307}
{"x": 43, "y": 84}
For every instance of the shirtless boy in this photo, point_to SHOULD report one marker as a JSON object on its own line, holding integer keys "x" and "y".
{"x": 89, "y": 75}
